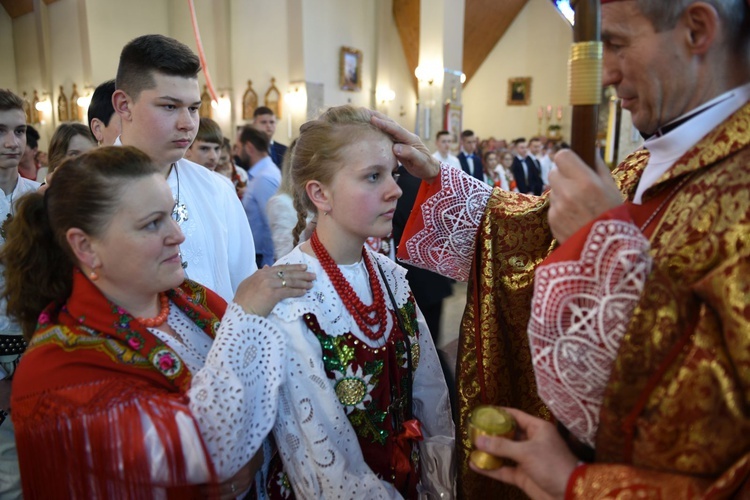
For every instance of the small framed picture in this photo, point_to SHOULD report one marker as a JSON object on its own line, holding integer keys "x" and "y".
{"x": 519, "y": 91}
{"x": 452, "y": 121}
{"x": 351, "y": 69}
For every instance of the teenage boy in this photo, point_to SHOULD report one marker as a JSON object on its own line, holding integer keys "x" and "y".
{"x": 206, "y": 148}
{"x": 157, "y": 99}
{"x": 265, "y": 120}
{"x": 443, "y": 150}
{"x": 103, "y": 121}
{"x": 12, "y": 345}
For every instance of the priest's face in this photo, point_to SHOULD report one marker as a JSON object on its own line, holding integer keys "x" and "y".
{"x": 650, "y": 70}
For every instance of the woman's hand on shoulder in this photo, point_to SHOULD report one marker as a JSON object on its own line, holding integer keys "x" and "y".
{"x": 259, "y": 293}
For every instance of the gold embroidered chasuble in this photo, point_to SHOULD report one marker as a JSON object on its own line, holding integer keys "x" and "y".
{"x": 676, "y": 412}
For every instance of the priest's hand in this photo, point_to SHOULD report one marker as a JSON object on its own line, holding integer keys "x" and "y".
{"x": 259, "y": 293}
{"x": 578, "y": 194}
{"x": 408, "y": 148}
{"x": 543, "y": 461}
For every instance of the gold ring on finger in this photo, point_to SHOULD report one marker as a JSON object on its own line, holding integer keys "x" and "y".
{"x": 280, "y": 274}
{"x": 283, "y": 283}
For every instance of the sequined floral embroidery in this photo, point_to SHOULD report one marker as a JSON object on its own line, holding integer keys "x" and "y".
{"x": 353, "y": 388}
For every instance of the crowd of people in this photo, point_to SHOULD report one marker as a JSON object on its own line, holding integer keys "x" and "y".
{"x": 185, "y": 318}
{"x": 521, "y": 166}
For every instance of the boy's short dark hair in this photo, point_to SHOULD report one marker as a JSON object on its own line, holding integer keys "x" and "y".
{"x": 441, "y": 133}
{"x": 101, "y": 103}
{"x": 467, "y": 133}
{"x": 209, "y": 131}
{"x": 262, "y": 110}
{"x": 258, "y": 139}
{"x": 32, "y": 137}
{"x": 9, "y": 100}
{"x": 147, "y": 54}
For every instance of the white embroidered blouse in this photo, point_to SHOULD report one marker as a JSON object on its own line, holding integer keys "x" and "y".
{"x": 318, "y": 445}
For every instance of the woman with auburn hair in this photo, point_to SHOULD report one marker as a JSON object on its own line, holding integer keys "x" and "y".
{"x": 136, "y": 383}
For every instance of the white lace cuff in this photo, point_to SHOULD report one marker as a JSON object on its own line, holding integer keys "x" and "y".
{"x": 580, "y": 311}
{"x": 451, "y": 219}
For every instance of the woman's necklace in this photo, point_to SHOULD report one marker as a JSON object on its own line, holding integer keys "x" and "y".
{"x": 366, "y": 317}
{"x": 159, "y": 319}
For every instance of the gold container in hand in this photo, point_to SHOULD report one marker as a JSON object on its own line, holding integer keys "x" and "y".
{"x": 488, "y": 420}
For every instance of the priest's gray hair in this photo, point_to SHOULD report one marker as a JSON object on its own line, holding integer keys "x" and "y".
{"x": 734, "y": 16}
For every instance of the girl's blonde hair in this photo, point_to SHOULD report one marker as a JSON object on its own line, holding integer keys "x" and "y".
{"x": 317, "y": 154}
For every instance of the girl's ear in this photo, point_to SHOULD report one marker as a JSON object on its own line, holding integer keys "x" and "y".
{"x": 319, "y": 195}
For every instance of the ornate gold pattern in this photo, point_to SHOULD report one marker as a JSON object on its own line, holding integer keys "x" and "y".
{"x": 685, "y": 363}
{"x": 677, "y": 397}
{"x": 494, "y": 357}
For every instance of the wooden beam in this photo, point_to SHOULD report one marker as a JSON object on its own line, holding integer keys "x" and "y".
{"x": 406, "y": 17}
{"x": 485, "y": 23}
{"x": 17, "y": 8}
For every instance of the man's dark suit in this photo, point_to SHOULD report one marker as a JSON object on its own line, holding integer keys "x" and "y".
{"x": 532, "y": 184}
{"x": 277, "y": 152}
{"x": 478, "y": 167}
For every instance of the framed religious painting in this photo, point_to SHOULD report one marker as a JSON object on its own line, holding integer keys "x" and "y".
{"x": 452, "y": 122}
{"x": 350, "y": 69}
{"x": 519, "y": 91}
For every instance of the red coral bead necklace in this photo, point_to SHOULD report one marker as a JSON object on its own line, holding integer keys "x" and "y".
{"x": 163, "y": 313}
{"x": 365, "y": 316}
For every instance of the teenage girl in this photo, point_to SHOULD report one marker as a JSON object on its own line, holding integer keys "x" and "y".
{"x": 364, "y": 409}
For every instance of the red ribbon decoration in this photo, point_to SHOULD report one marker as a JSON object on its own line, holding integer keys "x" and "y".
{"x": 201, "y": 53}
{"x": 412, "y": 431}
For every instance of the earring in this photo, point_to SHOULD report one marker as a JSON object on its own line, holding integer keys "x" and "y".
{"x": 325, "y": 213}
{"x": 93, "y": 276}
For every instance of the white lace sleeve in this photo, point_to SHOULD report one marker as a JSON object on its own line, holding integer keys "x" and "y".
{"x": 433, "y": 409}
{"x": 234, "y": 396}
{"x": 451, "y": 219}
{"x": 282, "y": 217}
{"x": 318, "y": 445}
{"x": 580, "y": 312}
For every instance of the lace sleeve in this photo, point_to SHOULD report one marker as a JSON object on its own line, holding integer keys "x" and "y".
{"x": 579, "y": 313}
{"x": 450, "y": 219}
{"x": 432, "y": 408}
{"x": 318, "y": 445}
{"x": 234, "y": 396}
{"x": 282, "y": 217}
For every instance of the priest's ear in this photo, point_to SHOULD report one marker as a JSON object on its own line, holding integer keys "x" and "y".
{"x": 702, "y": 25}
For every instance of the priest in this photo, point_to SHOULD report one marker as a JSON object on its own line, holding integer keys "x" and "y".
{"x": 617, "y": 305}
